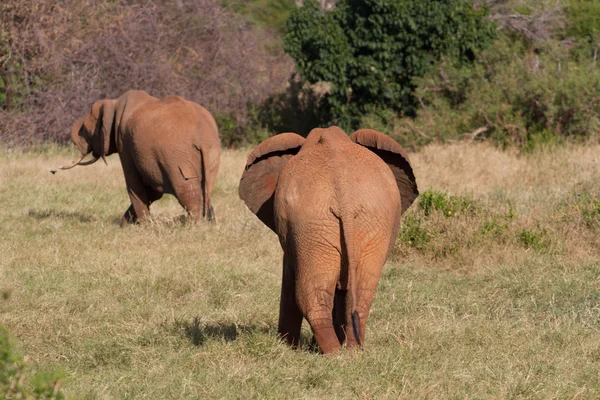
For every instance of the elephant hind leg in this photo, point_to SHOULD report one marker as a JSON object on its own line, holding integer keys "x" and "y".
{"x": 319, "y": 314}
{"x": 325, "y": 334}
{"x": 339, "y": 314}
{"x": 290, "y": 317}
{"x": 290, "y": 320}
{"x": 189, "y": 195}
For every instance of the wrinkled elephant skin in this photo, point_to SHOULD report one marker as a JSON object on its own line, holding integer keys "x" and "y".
{"x": 335, "y": 203}
{"x": 169, "y": 145}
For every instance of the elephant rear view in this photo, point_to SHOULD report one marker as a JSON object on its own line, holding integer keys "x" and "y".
{"x": 335, "y": 203}
{"x": 169, "y": 145}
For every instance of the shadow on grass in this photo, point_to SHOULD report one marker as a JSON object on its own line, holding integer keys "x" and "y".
{"x": 160, "y": 221}
{"x": 198, "y": 333}
{"x": 43, "y": 214}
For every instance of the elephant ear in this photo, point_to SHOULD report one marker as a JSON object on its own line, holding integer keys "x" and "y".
{"x": 259, "y": 179}
{"x": 395, "y": 157}
{"x": 106, "y": 120}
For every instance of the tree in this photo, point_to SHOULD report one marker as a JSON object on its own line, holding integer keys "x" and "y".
{"x": 370, "y": 50}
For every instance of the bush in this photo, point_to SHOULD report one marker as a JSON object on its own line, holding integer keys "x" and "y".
{"x": 13, "y": 384}
{"x": 536, "y": 239}
{"x": 413, "y": 234}
{"x": 263, "y": 13}
{"x": 55, "y": 67}
{"x": 513, "y": 94}
{"x": 584, "y": 20}
{"x": 449, "y": 205}
{"x": 370, "y": 51}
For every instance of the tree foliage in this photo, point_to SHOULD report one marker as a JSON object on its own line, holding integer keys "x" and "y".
{"x": 370, "y": 50}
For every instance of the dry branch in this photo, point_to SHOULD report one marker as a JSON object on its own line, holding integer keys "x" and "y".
{"x": 80, "y": 51}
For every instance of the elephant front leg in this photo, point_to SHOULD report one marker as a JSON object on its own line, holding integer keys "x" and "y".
{"x": 138, "y": 210}
{"x": 130, "y": 216}
{"x": 138, "y": 195}
{"x": 290, "y": 317}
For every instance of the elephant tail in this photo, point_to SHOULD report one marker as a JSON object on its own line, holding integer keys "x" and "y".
{"x": 347, "y": 222}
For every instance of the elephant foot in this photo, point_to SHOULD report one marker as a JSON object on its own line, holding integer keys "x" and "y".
{"x": 351, "y": 342}
{"x": 130, "y": 217}
{"x": 325, "y": 336}
{"x": 290, "y": 339}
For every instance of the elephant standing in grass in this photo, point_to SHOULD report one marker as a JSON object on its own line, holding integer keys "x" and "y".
{"x": 335, "y": 202}
{"x": 169, "y": 145}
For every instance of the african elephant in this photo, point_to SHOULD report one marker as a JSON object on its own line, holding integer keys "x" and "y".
{"x": 169, "y": 145}
{"x": 335, "y": 203}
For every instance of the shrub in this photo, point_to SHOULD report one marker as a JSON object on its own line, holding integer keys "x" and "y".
{"x": 263, "y": 13}
{"x": 512, "y": 94}
{"x": 369, "y": 51}
{"x": 586, "y": 203}
{"x": 81, "y": 51}
{"x": 584, "y": 20}
{"x": 13, "y": 384}
{"x": 413, "y": 233}
{"x": 449, "y": 205}
{"x": 536, "y": 239}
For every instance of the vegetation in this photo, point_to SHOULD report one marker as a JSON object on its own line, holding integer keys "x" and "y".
{"x": 370, "y": 51}
{"x": 54, "y": 67}
{"x": 491, "y": 290}
{"x": 12, "y": 377}
{"x": 537, "y": 84}
{"x": 519, "y": 73}
{"x": 512, "y": 95}
{"x": 498, "y": 300}
{"x": 264, "y": 13}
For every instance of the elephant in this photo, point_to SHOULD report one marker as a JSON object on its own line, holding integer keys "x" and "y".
{"x": 169, "y": 145}
{"x": 335, "y": 203}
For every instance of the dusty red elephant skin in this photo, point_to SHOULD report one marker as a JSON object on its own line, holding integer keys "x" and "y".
{"x": 169, "y": 145}
{"x": 335, "y": 203}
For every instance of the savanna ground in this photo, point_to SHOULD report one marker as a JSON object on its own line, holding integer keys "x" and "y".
{"x": 492, "y": 291}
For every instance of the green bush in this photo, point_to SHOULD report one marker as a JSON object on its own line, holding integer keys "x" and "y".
{"x": 587, "y": 204}
{"x": 369, "y": 51}
{"x": 263, "y": 13}
{"x": 413, "y": 233}
{"x": 234, "y": 133}
{"x": 13, "y": 384}
{"x": 449, "y": 205}
{"x": 536, "y": 238}
{"x": 513, "y": 94}
{"x": 584, "y": 20}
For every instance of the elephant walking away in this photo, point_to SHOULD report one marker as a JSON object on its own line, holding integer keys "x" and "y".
{"x": 169, "y": 145}
{"x": 335, "y": 203}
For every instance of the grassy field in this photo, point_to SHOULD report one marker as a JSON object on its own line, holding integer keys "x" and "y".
{"x": 492, "y": 291}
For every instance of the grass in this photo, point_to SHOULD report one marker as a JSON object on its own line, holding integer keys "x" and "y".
{"x": 500, "y": 299}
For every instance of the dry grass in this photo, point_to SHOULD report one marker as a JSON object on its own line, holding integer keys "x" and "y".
{"x": 468, "y": 307}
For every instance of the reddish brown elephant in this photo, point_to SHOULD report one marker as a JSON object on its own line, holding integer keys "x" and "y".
{"x": 335, "y": 202}
{"x": 169, "y": 145}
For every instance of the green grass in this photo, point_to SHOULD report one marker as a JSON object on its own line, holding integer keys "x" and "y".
{"x": 500, "y": 301}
